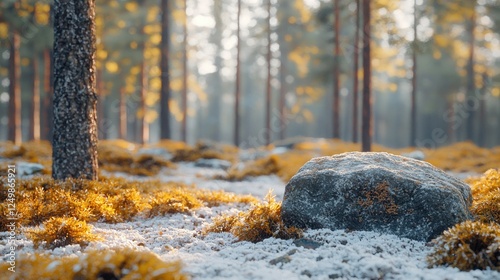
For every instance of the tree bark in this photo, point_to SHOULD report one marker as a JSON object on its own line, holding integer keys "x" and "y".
{"x": 165, "y": 77}
{"x": 15, "y": 134}
{"x": 75, "y": 99}
{"x": 413, "y": 117}
{"x": 238, "y": 86}
{"x": 268, "y": 81}
{"x": 355, "y": 87}
{"x": 336, "y": 72}
{"x": 35, "y": 102}
{"x": 367, "y": 130}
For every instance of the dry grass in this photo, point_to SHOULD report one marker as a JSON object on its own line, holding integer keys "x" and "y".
{"x": 468, "y": 246}
{"x": 486, "y": 193}
{"x": 111, "y": 264}
{"x": 59, "y": 232}
{"x": 262, "y": 221}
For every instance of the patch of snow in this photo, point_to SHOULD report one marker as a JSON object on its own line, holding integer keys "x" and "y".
{"x": 28, "y": 168}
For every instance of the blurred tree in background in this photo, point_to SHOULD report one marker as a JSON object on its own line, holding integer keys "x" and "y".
{"x": 298, "y": 59}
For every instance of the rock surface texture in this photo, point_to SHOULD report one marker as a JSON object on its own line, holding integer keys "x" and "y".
{"x": 375, "y": 192}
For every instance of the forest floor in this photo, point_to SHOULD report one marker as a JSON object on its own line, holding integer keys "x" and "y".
{"x": 332, "y": 255}
{"x": 319, "y": 254}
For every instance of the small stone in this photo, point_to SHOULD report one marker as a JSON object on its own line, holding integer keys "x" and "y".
{"x": 307, "y": 243}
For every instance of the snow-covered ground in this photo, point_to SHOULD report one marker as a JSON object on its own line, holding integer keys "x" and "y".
{"x": 320, "y": 254}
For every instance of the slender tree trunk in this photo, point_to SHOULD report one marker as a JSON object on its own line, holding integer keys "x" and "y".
{"x": 471, "y": 87}
{"x": 122, "y": 118}
{"x": 269, "y": 77}
{"x": 367, "y": 130}
{"x": 336, "y": 72}
{"x": 165, "y": 77}
{"x": 143, "y": 89}
{"x": 75, "y": 99}
{"x": 283, "y": 90}
{"x": 101, "y": 110}
{"x": 35, "y": 101}
{"x": 413, "y": 117}
{"x": 482, "y": 113}
{"x": 237, "y": 90}
{"x": 355, "y": 87}
{"x": 143, "y": 86}
{"x": 217, "y": 91}
{"x": 185, "y": 77}
{"x": 46, "y": 119}
{"x": 451, "y": 130}
{"x": 15, "y": 89}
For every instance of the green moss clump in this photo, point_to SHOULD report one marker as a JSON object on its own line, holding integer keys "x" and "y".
{"x": 262, "y": 221}
{"x": 467, "y": 246}
{"x": 58, "y": 232}
{"x": 111, "y": 264}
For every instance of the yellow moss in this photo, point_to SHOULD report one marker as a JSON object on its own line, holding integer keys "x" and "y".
{"x": 206, "y": 151}
{"x": 123, "y": 264}
{"x": 216, "y": 198}
{"x": 171, "y": 145}
{"x": 109, "y": 199}
{"x": 463, "y": 157}
{"x": 468, "y": 246}
{"x": 486, "y": 193}
{"x": 57, "y": 232}
{"x": 116, "y": 158}
{"x": 262, "y": 221}
{"x": 32, "y": 151}
{"x": 173, "y": 201}
{"x": 259, "y": 167}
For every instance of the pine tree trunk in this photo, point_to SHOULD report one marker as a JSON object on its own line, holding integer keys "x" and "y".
{"x": 413, "y": 117}
{"x": 217, "y": 91}
{"x": 355, "y": 87}
{"x": 75, "y": 99}
{"x": 15, "y": 89}
{"x": 471, "y": 87}
{"x": 143, "y": 85}
{"x": 268, "y": 81}
{"x": 35, "y": 102}
{"x": 367, "y": 130}
{"x": 238, "y": 86}
{"x": 101, "y": 110}
{"x": 336, "y": 72}
{"x": 46, "y": 118}
{"x": 185, "y": 77}
{"x": 122, "y": 118}
{"x": 165, "y": 78}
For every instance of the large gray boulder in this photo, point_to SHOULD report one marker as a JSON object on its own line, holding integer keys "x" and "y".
{"x": 377, "y": 192}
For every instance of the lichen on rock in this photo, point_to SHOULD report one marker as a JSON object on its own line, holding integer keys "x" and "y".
{"x": 375, "y": 192}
